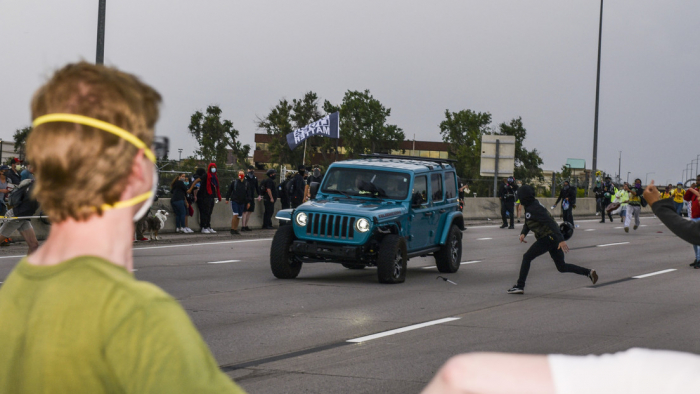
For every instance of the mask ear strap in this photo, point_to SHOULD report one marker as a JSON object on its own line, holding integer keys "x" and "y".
{"x": 128, "y": 203}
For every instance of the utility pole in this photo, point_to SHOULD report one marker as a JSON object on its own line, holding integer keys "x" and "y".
{"x": 597, "y": 96}
{"x": 100, "y": 58}
{"x": 619, "y": 167}
{"x": 495, "y": 173}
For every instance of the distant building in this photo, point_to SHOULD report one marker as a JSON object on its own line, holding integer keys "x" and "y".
{"x": 428, "y": 149}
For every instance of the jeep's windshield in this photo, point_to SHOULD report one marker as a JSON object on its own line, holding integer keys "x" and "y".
{"x": 370, "y": 183}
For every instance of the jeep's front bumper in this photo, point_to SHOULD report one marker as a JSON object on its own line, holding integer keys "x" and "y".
{"x": 327, "y": 252}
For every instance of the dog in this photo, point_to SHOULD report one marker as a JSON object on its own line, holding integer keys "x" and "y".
{"x": 153, "y": 224}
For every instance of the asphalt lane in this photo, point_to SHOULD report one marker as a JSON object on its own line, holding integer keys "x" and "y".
{"x": 291, "y": 336}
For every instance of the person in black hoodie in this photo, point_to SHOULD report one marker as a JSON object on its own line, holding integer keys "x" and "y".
{"x": 603, "y": 194}
{"x": 298, "y": 187}
{"x": 567, "y": 196}
{"x": 549, "y": 239}
{"x": 237, "y": 194}
{"x": 507, "y": 196}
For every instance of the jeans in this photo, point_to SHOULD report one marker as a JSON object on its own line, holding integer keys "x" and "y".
{"x": 679, "y": 207}
{"x": 632, "y": 212}
{"x": 267, "y": 216}
{"x": 696, "y": 248}
{"x": 180, "y": 211}
{"x": 507, "y": 206}
{"x": 206, "y": 206}
{"x": 540, "y": 247}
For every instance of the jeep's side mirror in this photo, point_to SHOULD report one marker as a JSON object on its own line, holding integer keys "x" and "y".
{"x": 417, "y": 200}
{"x": 313, "y": 189}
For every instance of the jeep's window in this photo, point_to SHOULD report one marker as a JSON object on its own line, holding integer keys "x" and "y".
{"x": 420, "y": 190}
{"x": 450, "y": 186}
{"x": 359, "y": 182}
{"x": 436, "y": 187}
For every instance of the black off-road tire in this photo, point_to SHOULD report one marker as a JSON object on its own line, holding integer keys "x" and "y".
{"x": 392, "y": 259}
{"x": 352, "y": 266}
{"x": 283, "y": 263}
{"x": 449, "y": 257}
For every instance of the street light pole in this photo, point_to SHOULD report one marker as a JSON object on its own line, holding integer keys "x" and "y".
{"x": 100, "y": 57}
{"x": 180, "y": 152}
{"x": 597, "y": 96}
{"x": 646, "y": 178}
{"x": 628, "y": 176}
{"x": 619, "y": 167}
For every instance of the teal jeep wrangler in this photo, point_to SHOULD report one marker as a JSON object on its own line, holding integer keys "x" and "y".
{"x": 378, "y": 211}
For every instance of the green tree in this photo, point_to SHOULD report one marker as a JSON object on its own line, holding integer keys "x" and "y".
{"x": 363, "y": 124}
{"x": 278, "y": 123}
{"x": 20, "y": 138}
{"x": 527, "y": 163}
{"x": 215, "y": 136}
{"x": 463, "y": 131}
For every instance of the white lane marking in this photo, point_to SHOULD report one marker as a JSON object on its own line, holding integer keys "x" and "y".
{"x": 577, "y": 221}
{"x": 10, "y": 257}
{"x": 619, "y": 227}
{"x": 470, "y": 262}
{"x": 654, "y": 273}
{"x": 223, "y": 261}
{"x": 590, "y": 229}
{"x": 642, "y": 225}
{"x": 613, "y": 244}
{"x": 483, "y": 239}
{"x": 205, "y": 243}
{"x": 402, "y": 329}
{"x": 429, "y": 267}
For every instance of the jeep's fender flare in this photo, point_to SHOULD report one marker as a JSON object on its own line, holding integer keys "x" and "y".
{"x": 284, "y": 214}
{"x": 455, "y": 218}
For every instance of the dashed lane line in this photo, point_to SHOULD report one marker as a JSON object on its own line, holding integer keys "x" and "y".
{"x": 402, "y": 329}
{"x": 483, "y": 239}
{"x": 462, "y": 263}
{"x": 633, "y": 278}
{"x": 223, "y": 261}
{"x": 612, "y": 244}
{"x": 12, "y": 257}
{"x": 654, "y": 273}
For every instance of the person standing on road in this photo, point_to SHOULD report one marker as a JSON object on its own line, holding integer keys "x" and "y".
{"x": 567, "y": 196}
{"x": 316, "y": 176}
{"x": 253, "y": 190}
{"x": 692, "y": 196}
{"x": 282, "y": 190}
{"x": 208, "y": 191}
{"x": 297, "y": 187}
{"x": 634, "y": 208}
{"x": 507, "y": 196}
{"x": 179, "y": 203}
{"x": 548, "y": 239}
{"x": 678, "y": 195}
{"x": 237, "y": 194}
{"x": 73, "y": 319}
{"x": 269, "y": 190}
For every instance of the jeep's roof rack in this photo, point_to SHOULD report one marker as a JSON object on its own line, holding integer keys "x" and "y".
{"x": 401, "y": 157}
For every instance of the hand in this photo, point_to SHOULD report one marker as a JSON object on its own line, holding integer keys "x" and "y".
{"x": 522, "y": 239}
{"x": 259, "y": 198}
{"x": 226, "y": 202}
{"x": 272, "y": 200}
{"x": 651, "y": 194}
{"x": 563, "y": 246}
{"x": 247, "y": 206}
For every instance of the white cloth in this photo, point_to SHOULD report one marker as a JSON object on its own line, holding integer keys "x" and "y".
{"x": 632, "y": 212}
{"x": 638, "y": 371}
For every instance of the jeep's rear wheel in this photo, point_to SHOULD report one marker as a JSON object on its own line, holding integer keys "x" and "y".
{"x": 283, "y": 263}
{"x": 448, "y": 258}
{"x": 391, "y": 260}
{"x": 352, "y": 266}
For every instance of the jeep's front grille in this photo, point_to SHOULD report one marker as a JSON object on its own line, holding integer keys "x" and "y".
{"x": 331, "y": 226}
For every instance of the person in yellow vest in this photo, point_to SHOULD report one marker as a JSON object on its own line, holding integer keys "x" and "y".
{"x": 677, "y": 195}
{"x": 73, "y": 319}
{"x": 622, "y": 196}
{"x": 667, "y": 192}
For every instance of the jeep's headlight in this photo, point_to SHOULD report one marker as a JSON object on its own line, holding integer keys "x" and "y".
{"x": 301, "y": 219}
{"x": 362, "y": 225}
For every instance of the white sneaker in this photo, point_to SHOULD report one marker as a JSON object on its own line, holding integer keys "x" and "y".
{"x": 187, "y": 230}
{"x": 205, "y": 231}
{"x": 177, "y": 230}
{"x": 211, "y": 230}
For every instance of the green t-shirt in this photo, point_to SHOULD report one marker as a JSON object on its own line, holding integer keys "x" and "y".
{"x": 87, "y": 326}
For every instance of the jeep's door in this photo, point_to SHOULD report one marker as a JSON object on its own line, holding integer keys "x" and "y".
{"x": 437, "y": 205}
{"x": 420, "y": 214}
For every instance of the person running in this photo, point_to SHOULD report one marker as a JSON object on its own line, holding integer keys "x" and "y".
{"x": 237, "y": 194}
{"x": 548, "y": 239}
{"x": 692, "y": 196}
{"x": 622, "y": 196}
{"x": 26, "y": 206}
{"x": 73, "y": 319}
{"x": 604, "y": 194}
{"x": 567, "y": 196}
{"x": 667, "y": 192}
{"x": 507, "y": 196}
{"x": 678, "y": 193}
{"x": 634, "y": 208}
{"x": 178, "y": 202}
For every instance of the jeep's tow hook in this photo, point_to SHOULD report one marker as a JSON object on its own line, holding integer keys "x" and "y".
{"x": 445, "y": 279}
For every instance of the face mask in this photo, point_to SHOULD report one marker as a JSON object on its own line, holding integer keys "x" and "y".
{"x": 566, "y": 187}
{"x": 272, "y": 176}
{"x": 241, "y": 176}
{"x": 187, "y": 183}
{"x": 213, "y": 170}
{"x": 317, "y": 173}
{"x": 146, "y": 198}
{"x": 301, "y": 173}
{"x": 638, "y": 185}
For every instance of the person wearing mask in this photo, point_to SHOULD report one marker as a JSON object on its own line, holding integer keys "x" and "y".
{"x": 4, "y": 191}
{"x": 667, "y": 192}
{"x": 12, "y": 174}
{"x": 269, "y": 190}
{"x": 567, "y": 196}
{"x": 507, "y": 196}
{"x": 27, "y": 173}
{"x": 634, "y": 208}
{"x": 604, "y": 193}
{"x": 208, "y": 191}
{"x": 282, "y": 190}
{"x": 316, "y": 176}
{"x": 297, "y": 187}
{"x": 678, "y": 194}
{"x": 253, "y": 190}
{"x": 73, "y": 319}
{"x": 548, "y": 239}
{"x": 178, "y": 202}
{"x": 692, "y": 196}
{"x": 237, "y": 195}
{"x": 623, "y": 197}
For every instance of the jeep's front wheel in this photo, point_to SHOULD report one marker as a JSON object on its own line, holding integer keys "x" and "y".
{"x": 391, "y": 260}
{"x": 448, "y": 258}
{"x": 283, "y": 263}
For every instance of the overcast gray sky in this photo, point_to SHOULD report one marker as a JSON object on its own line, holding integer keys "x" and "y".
{"x": 529, "y": 58}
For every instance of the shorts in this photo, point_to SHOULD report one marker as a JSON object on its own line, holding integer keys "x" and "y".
{"x": 237, "y": 208}
{"x": 252, "y": 206}
{"x": 10, "y": 226}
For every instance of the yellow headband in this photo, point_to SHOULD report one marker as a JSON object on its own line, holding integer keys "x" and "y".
{"x": 98, "y": 124}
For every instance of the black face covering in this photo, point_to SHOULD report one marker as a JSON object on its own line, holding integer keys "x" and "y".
{"x": 301, "y": 172}
{"x": 273, "y": 176}
{"x": 317, "y": 173}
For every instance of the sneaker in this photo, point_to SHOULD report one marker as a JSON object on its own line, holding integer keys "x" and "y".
{"x": 516, "y": 290}
{"x": 205, "y": 231}
{"x": 593, "y": 276}
{"x": 518, "y": 220}
{"x": 602, "y": 221}
{"x": 211, "y": 230}
{"x": 697, "y": 265}
{"x": 246, "y": 228}
{"x": 177, "y": 230}
{"x": 234, "y": 232}
{"x": 597, "y": 213}
{"x": 635, "y": 226}
{"x": 504, "y": 226}
{"x": 511, "y": 227}
{"x": 627, "y": 229}
{"x": 188, "y": 230}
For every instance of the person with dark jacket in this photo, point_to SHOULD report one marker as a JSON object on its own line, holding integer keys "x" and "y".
{"x": 237, "y": 194}
{"x": 253, "y": 188}
{"x": 27, "y": 206}
{"x": 567, "y": 196}
{"x": 12, "y": 174}
{"x": 603, "y": 195}
{"x": 282, "y": 188}
{"x": 548, "y": 239}
{"x": 209, "y": 190}
{"x": 297, "y": 188}
{"x": 269, "y": 192}
{"x": 178, "y": 202}
{"x": 316, "y": 176}
{"x": 507, "y": 196}
{"x": 665, "y": 210}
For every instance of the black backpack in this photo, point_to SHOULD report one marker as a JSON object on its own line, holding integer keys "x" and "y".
{"x": 290, "y": 188}
{"x": 20, "y": 200}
